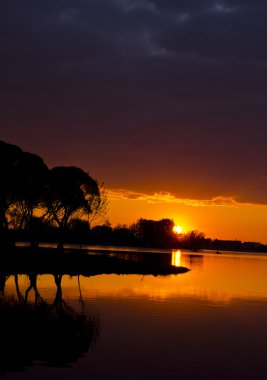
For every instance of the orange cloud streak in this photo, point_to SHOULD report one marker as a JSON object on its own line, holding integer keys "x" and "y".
{"x": 161, "y": 197}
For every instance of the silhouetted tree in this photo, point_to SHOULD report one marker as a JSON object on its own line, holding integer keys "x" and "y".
{"x": 71, "y": 194}
{"x": 102, "y": 234}
{"x": 79, "y": 231}
{"x": 123, "y": 235}
{"x": 29, "y": 192}
{"x": 154, "y": 233}
{"x": 9, "y": 159}
{"x": 99, "y": 207}
{"x": 20, "y": 174}
{"x": 193, "y": 240}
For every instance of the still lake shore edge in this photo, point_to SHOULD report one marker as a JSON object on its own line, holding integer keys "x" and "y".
{"x": 73, "y": 262}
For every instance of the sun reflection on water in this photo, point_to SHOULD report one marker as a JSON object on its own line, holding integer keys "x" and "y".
{"x": 176, "y": 258}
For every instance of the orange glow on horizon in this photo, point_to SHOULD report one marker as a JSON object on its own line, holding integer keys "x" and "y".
{"x": 240, "y": 222}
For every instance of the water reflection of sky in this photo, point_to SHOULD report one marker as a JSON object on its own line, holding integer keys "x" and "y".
{"x": 209, "y": 323}
{"x": 214, "y": 277}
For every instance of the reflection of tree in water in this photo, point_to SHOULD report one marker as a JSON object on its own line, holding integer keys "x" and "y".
{"x": 3, "y": 279}
{"x": 35, "y": 332}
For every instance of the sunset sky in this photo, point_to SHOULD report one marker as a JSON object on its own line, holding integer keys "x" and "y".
{"x": 165, "y": 101}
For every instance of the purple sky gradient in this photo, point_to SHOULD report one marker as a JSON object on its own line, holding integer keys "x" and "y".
{"x": 162, "y": 95}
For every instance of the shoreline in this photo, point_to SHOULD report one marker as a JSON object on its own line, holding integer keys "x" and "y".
{"x": 76, "y": 262}
{"x": 133, "y": 249}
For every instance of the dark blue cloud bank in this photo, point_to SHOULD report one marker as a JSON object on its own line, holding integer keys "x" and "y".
{"x": 158, "y": 95}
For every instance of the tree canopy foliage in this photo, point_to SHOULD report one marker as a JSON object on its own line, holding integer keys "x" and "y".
{"x": 57, "y": 196}
{"x": 155, "y": 233}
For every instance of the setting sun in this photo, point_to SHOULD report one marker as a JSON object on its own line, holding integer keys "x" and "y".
{"x": 177, "y": 229}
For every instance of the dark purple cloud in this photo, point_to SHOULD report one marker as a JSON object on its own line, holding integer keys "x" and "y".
{"x": 151, "y": 95}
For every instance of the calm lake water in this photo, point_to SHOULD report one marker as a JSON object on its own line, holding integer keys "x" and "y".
{"x": 208, "y": 323}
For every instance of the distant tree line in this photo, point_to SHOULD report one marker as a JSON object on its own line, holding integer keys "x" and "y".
{"x": 159, "y": 234}
{"x": 235, "y": 245}
{"x": 143, "y": 233}
{"x": 147, "y": 233}
{"x": 35, "y": 200}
